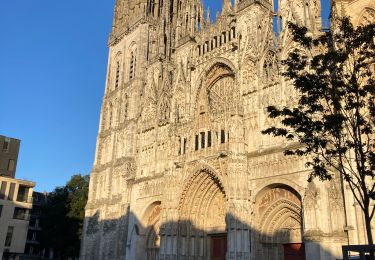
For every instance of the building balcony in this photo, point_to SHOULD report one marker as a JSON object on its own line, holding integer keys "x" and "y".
{"x": 25, "y": 217}
{"x": 33, "y": 242}
{"x": 25, "y": 199}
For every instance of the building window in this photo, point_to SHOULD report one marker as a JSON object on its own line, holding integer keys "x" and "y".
{"x": 209, "y": 139}
{"x": 133, "y": 65}
{"x": 234, "y": 32}
{"x": 196, "y": 142}
{"x": 11, "y": 191}
{"x": 6, "y": 145}
{"x": 117, "y": 81}
{"x": 203, "y": 140}
{"x": 23, "y": 193}
{"x": 2, "y": 190}
{"x": 8, "y": 239}
{"x": 1, "y": 210}
{"x": 222, "y": 136}
{"x": 11, "y": 165}
{"x": 20, "y": 213}
{"x": 179, "y": 150}
{"x": 185, "y": 143}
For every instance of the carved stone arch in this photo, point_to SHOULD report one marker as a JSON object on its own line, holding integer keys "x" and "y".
{"x": 269, "y": 184}
{"x": 278, "y": 214}
{"x": 225, "y": 62}
{"x": 202, "y": 213}
{"x": 202, "y": 77}
{"x": 204, "y": 167}
{"x": 367, "y": 16}
{"x": 151, "y": 219}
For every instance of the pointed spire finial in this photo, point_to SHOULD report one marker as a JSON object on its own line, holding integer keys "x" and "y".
{"x": 208, "y": 15}
{"x": 227, "y": 6}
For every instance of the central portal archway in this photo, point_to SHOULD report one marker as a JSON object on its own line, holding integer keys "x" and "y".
{"x": 202, "y": 228}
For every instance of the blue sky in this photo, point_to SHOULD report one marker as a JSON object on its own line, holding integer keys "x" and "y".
{"x": 53, "y": 58}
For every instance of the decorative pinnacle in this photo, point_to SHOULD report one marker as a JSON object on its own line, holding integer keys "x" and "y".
{"x": 227, "y": 6}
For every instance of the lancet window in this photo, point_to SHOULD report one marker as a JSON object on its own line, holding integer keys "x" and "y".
{"x": 133, "y": 64}
{"x": 151, "y": 7}
{"x": 117, "y": 79}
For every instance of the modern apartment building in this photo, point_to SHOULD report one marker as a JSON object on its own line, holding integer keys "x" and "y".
{"x": 15, "y": 207}
{"x": 9, "y": 148}
{"x": 33, "y": 248}
{"x": 16, "y": 202}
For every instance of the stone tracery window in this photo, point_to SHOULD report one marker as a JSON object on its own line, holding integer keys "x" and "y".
{"x": 270, "y": 69}
{"x": 221, "y": 96}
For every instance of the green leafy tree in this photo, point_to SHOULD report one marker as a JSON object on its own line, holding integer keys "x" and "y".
{"x": 334, "y": 116}
{"x": 63, "y": 216}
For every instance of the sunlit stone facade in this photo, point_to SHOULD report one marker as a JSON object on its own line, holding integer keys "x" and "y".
{"x": 181, "y": 168}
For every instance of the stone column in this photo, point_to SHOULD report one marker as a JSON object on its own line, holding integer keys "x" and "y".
{"x": 239, "y": 207}
{"x": 238, "y": 231}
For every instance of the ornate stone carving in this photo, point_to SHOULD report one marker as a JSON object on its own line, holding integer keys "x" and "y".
{"x": 184, "y": 129}
{"x": 367, "y": 16}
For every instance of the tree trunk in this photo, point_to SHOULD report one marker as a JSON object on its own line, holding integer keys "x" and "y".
{"x": 369, "y": 231}
{"x": 368, "y": 227}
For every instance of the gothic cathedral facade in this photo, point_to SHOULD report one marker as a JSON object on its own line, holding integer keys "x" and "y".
{"x": 182, "y": 170}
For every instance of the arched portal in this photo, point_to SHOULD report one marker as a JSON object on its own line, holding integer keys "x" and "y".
{"x": 202, "y": 228}
{"x": 279, "y": 211}
{"x": 153, "y": 231}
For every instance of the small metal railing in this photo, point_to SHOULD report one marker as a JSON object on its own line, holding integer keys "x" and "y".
{"x": 363, "y": 252}
{"x": 25, "y": 199}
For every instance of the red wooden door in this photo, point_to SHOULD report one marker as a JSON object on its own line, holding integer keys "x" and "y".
{"x": 219, "y": 247}
{"x": 294, "y": 252}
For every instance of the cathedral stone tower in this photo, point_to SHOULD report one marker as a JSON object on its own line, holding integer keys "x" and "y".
{"x": 181, "y": 169}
